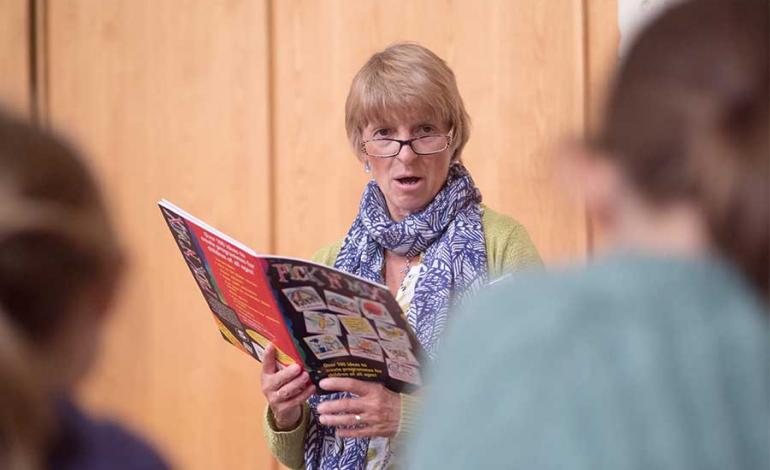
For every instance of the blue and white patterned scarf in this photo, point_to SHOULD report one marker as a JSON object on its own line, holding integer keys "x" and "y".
{"x": 448, "y": 232}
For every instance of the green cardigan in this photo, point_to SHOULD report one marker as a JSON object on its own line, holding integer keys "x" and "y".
{"x": 509, "y": 249}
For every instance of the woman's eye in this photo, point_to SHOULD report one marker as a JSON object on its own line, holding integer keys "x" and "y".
{"x": 381, "y": 133}
{"x": 427, "y": 130}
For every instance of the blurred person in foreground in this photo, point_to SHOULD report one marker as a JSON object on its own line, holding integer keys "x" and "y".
{"x": 655, "y": 356}
{"x": 60, "y": 263}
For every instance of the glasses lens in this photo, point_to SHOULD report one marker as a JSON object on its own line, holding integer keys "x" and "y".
{"x": 430, "y": 144}
{"x": 382, "y": 147}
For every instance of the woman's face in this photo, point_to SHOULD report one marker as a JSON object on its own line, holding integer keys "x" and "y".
{"x": 408, "y": 181}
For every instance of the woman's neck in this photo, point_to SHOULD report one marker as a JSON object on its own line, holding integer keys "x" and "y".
{"x": 396, "y": 214}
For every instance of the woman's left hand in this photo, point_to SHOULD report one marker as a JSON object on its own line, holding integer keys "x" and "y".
{"x": 375, "y": 411}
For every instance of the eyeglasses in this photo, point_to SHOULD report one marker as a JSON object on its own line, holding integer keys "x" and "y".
{"x": 423, "y": 145}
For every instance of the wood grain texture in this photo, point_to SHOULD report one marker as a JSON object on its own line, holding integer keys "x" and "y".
{"x": 168, "y": 100}
{"x": 603, "y": 37}
{"x": 520, "y": 70}
{"x": 14, "y": 56}
{"x": 603, "y": 43}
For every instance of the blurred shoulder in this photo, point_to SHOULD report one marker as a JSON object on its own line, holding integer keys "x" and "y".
{"x": 616, "y": 295}
{"x": 85, "y": 442}
{"x": 529, "y": 298}
{"x": 572, "y": 342}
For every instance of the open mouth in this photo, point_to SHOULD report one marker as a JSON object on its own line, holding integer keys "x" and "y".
{"x": 409, "y": 180}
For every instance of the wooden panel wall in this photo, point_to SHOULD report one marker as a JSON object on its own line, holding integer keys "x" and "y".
{"x": 520, "y": 69}
{"x": 14, "y": 56}
{"x": 168, "y": 100}
{"x": 602, "y": 42}
{"x": 234, "y": 109}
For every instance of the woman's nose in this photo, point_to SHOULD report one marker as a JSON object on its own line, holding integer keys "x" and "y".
{"x": 406, "y": 155}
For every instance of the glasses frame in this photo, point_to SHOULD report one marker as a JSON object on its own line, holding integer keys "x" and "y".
{"x": 407, "y": 142}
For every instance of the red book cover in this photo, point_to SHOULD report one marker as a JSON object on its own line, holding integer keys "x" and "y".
{"x": 332, "y": 323}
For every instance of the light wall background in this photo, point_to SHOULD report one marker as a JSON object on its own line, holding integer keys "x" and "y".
{"x": 233, "y": 110}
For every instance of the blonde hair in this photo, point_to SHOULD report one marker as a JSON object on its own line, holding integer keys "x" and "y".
{"x": 406, "y": 79}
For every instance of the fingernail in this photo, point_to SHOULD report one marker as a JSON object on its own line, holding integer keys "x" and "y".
{"x": 294, "y": 367}
{"x": 322, "y": 419}
{"x": 323, "y": 383}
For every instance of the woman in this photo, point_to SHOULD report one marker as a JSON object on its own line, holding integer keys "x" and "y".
{"x": 59, "y": 267}
{"x": 421, "y": 230}
{"x": 656, "y": 355}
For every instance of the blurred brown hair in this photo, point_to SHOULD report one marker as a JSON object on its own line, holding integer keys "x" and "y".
{"x": 56, "y": 240}
{"x": 687, "y": 120}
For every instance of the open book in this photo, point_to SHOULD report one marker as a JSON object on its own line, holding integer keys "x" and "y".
{"x": 332, "y": 323}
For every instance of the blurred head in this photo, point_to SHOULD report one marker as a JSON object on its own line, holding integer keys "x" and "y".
{"x": 685, "y": 133}
{"x": 406, "y": 92}
{"x": 59, "y": 262}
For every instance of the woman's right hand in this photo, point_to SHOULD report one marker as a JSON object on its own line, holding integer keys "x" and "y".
{"x": 285, "y": 390}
